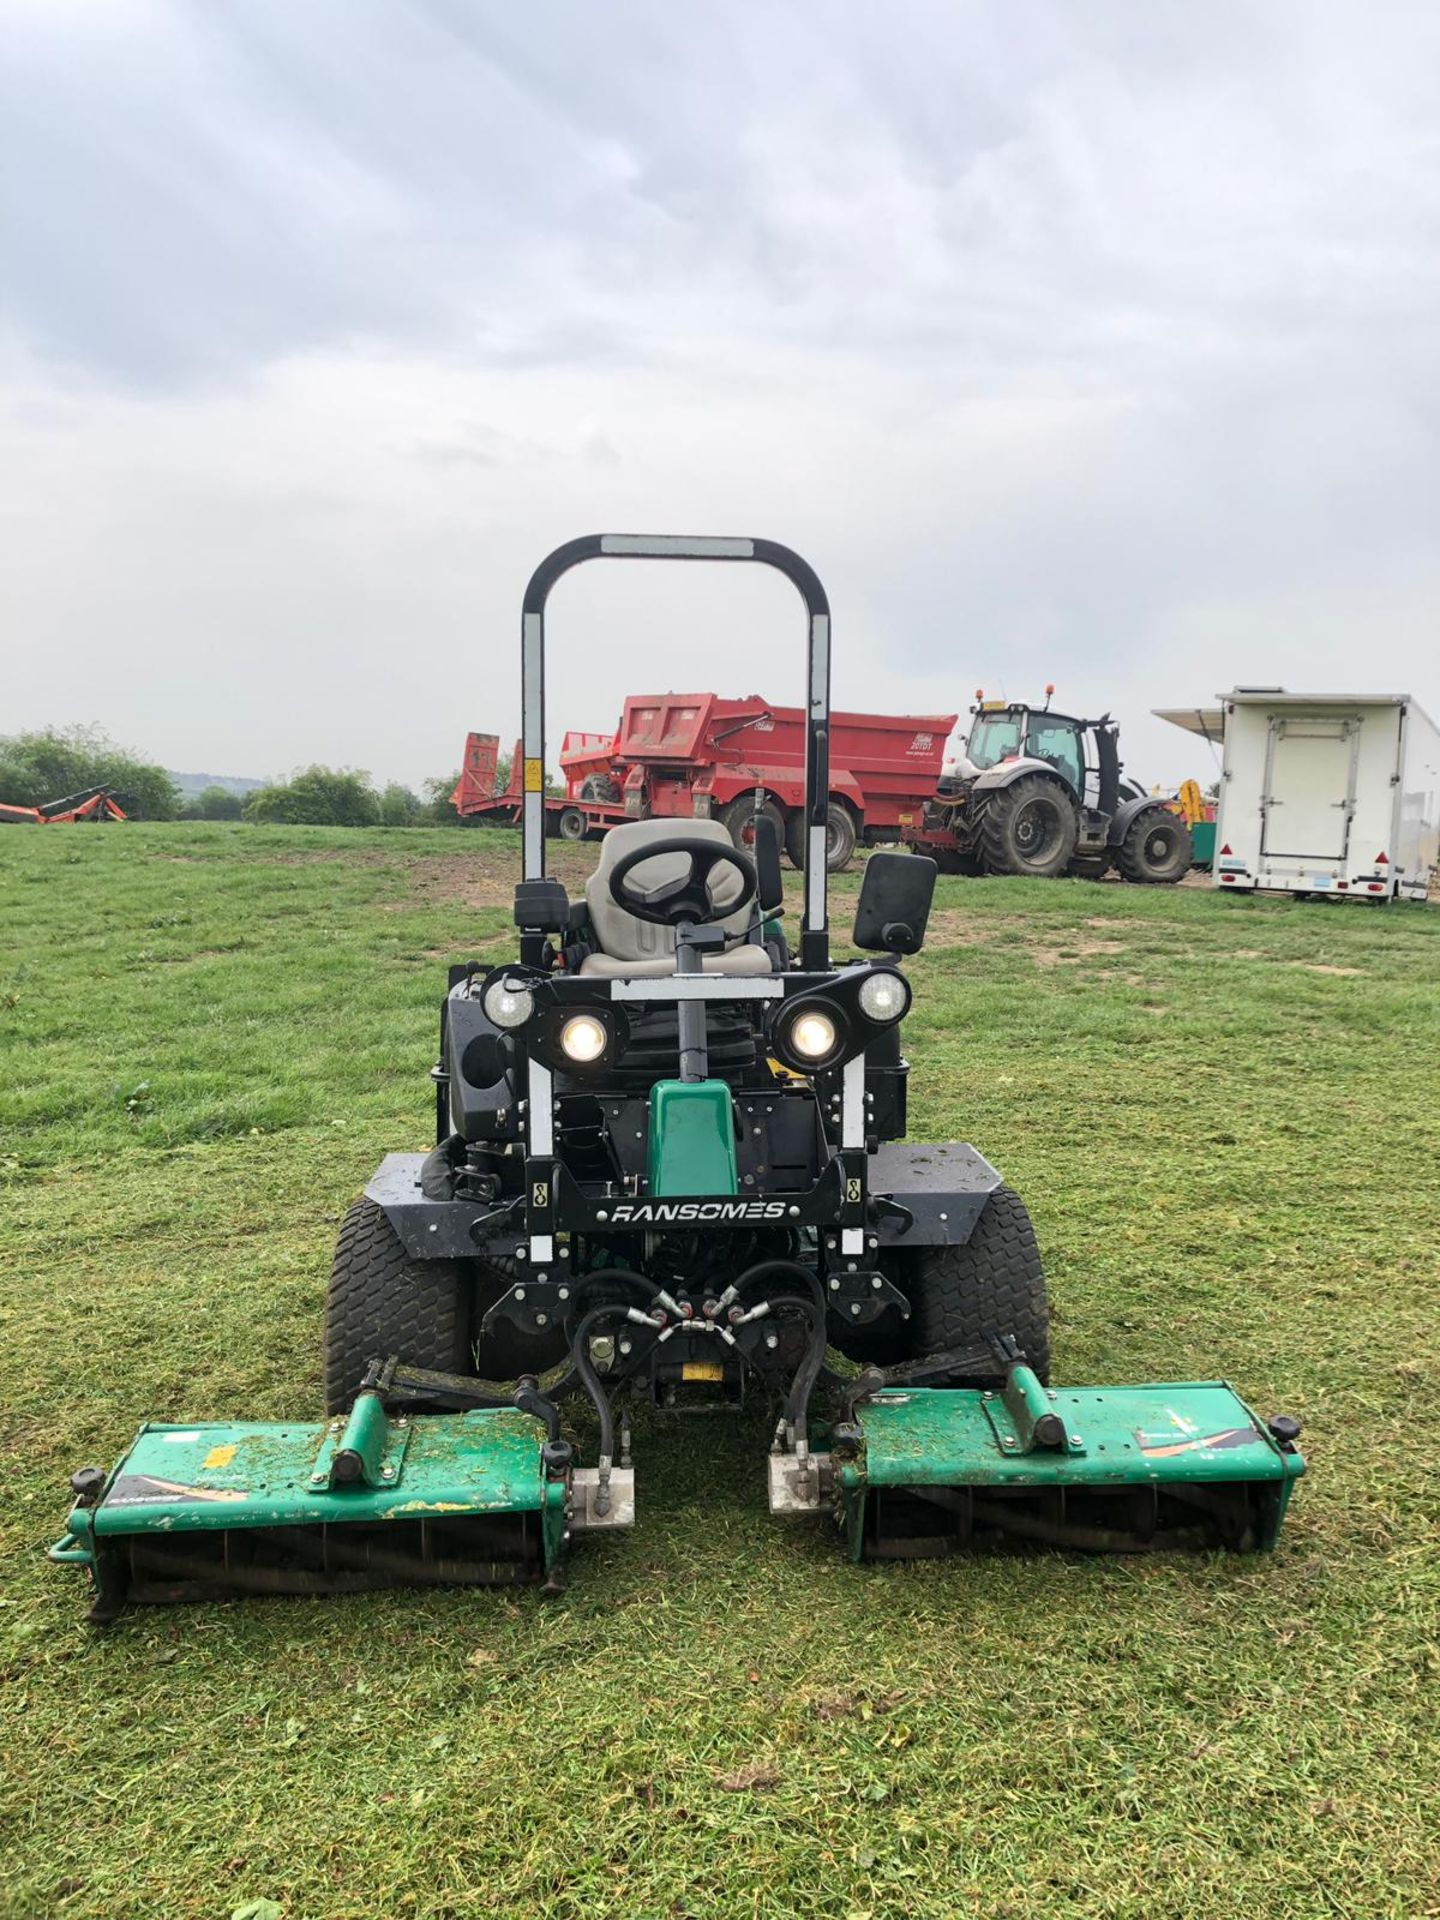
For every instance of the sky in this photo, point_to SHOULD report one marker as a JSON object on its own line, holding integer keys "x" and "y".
{"x": 1092, "y": 344}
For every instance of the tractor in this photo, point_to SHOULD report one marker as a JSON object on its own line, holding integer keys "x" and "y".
{"x": 669, "y": 1168}
{"x": 1041, "y": 794}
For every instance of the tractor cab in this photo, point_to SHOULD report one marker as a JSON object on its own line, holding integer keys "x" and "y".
{"x": 1084, "y": 753}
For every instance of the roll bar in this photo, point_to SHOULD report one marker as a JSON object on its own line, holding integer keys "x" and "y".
{"x": 815, "y": 937}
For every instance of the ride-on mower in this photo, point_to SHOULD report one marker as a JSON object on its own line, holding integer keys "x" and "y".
{"x": 668, "y": 1165}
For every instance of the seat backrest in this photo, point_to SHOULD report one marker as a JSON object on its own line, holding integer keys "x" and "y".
{"x": 619, "y": 933}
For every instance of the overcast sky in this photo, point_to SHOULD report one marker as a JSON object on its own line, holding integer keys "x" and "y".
{"x": 1089, "y": 342}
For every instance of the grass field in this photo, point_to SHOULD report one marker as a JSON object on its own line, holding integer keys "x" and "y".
{"x": 1223, "y": 1115}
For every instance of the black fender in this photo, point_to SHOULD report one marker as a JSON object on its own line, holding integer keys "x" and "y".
{"x": 1125, "y": 816}
{"x": 433, "y": 1227}
{"x": 928, "y": 1196}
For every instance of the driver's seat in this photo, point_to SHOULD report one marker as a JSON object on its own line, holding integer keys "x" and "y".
{"x": 636, "y": 949}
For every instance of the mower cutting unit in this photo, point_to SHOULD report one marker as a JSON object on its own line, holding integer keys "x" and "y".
{"x": 668, "y": 1165}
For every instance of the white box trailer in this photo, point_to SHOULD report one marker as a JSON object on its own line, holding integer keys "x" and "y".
{"x": 1323, "y": 792}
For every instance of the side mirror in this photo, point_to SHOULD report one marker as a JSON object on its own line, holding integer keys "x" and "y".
{"x": 895, "y": 898}
{"x": 770, "y": 882}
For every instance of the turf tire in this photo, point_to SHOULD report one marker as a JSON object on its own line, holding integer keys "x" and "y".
{"x": 1031, "y": 806}
{"x": 1157, "y": 849}
{"x": 383, "y": 1302}
{"x": 995, "y": 1283}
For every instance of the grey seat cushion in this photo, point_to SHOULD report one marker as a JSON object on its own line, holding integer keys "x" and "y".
{"x": 636, "y": 949}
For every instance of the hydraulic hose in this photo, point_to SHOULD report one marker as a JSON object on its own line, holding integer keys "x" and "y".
{"x": 792, "y": 1269}
{"x": 797, "y": 1403}
{"x": 590, "y": 1379}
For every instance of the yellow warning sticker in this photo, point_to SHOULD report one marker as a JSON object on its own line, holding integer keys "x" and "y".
{"x": 702, "y": 1370}
{"x": 534, "y": 776}
{"x": 220, "y": 1456}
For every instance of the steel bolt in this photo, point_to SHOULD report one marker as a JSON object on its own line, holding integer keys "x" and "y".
{"x": 877, "y": 1281}
{"x": 834, "y": 1283}
{"x": 542, "y": 1319}
{"x": 522, "y": 1253}
{"x": 564, "y": 1293}
{"x": 854, "y": 1306}
{"x": 519, "y": 1293}
{"x": 387, "y": 1473}
{"x": 772, "y": 1340}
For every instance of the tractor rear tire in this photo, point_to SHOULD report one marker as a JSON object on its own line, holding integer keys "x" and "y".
{"x": 1029, "y": 828}
{"x": 738, "y": 820}
{"x": 995, "y": 1283}
{"x": 840, "y": 837}
{"x": 1157, "y": 850}
{"x": 383, "y": 1302}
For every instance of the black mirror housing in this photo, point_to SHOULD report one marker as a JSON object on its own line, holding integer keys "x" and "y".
{"x": 770, "y": 890}
{"x": 895, "y": 898}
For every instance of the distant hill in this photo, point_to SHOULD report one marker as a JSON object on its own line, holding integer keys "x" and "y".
{"x": 192, "y": 785}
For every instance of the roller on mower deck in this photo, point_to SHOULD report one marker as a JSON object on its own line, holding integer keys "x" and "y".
{"x": 669, "y": 1163}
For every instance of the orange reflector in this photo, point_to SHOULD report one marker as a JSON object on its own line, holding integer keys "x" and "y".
{"x": 702, "y": 1370}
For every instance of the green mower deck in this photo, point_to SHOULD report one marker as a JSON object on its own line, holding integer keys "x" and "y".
{"x": 218, "y": 1511}
{"x": 1098, "y": 1469}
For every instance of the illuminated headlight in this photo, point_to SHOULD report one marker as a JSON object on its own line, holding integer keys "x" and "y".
{"x": 507, "y": 1004}
{"x": 583, "y": 1039}
{"x": 884, "y": 998}
{"x": 812, "y": 1035}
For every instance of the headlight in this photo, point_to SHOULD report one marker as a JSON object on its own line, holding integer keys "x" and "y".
{"x": 812, "y": 1035}
{"x": 507, "y": 1004}
{"x": 884, "y": 998}
{"x": 583, "y": 1038}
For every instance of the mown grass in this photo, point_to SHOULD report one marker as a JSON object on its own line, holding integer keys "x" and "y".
{"x": 1222, "y": 1114}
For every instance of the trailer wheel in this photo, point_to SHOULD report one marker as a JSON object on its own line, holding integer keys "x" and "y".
{"x": 572, "y": 824}
{"x": 840, "y": 837}
{"x": 1029, "y": 828}
{"x": 993, "y": 1284}
{"x": 1157, "y": 849}
{"x": 738, "y": 820}
{"x": 383, "y": 1302}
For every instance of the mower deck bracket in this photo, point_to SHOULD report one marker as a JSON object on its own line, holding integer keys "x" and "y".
{"x": 584, "y": 1492}
{"x": 799, "y": 1483}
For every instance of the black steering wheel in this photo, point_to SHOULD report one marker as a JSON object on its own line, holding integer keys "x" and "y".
{"x": 688, "y": 897}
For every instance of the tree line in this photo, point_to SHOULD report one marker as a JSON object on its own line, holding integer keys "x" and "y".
{"x": 37, "y": 768}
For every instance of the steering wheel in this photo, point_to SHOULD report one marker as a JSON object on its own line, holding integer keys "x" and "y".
{"x": 688, "y": 897}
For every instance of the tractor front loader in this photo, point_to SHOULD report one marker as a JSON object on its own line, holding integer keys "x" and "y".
{"x": 669, "y": 1165}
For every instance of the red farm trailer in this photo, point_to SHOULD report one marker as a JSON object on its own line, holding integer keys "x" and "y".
{"x": 696, "y": 756}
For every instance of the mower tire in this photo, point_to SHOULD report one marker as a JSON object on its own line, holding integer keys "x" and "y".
{"x": 383, "y": 1302}
{"x": 1157, "y": 850}
{"x": 993, "y": 1284}
{"x": 1029, "y": 828}
{"x": 840, "y": 837}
